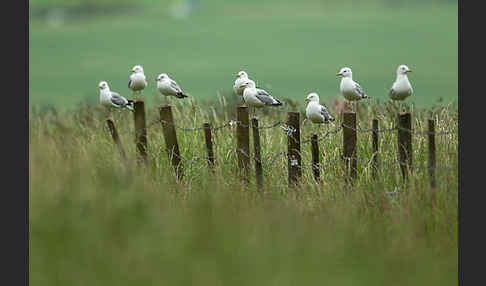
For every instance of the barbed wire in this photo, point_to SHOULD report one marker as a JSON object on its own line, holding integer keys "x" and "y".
{"x": 231, "y": 123}
{"x": 273, "y": 159}
{"x": 290, "y": 130}
{"x": 420, "y": 132}
{"x": 322, "y": 137}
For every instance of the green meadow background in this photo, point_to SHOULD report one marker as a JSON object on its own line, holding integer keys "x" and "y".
{"x": 290, "y": 48}
{"x": 95, "y": 221}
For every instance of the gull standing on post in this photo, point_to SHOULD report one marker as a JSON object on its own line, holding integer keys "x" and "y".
{"x": 169, "y": 87}
{"x": 137, "y": 81}
{"x": 255, "y": 97}
{"x": 401, "y": 88}
{"x": 112, "y": 99}
{"x": 315, "y": 112}
{"x": 350, "y": 89}
{"x": 241, "y": 78}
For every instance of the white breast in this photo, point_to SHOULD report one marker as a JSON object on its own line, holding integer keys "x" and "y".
{"x": 401, "y": 89}
{"x": 138, "y": 81}
{"x": 313, "y": 112}
{"x": 237, "y": 88}
{"x": 164, "y": 87}
{"x": 348, "y": 90}
{"x": 249, "y": 95}
{"x": 105, "y": 98}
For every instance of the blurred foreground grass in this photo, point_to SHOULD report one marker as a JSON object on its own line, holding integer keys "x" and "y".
{"x": 93, "y": 222}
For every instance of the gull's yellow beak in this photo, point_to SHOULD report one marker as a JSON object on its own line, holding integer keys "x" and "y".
{"x": 133, "y": 70}
{"x": 237, "y": 75}
{"x": 338, "y": 74}
{"x": 409, "y": 70}
{"x": 306, "y": 100}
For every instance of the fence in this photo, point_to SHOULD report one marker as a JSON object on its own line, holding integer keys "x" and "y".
{"x": 292, "y": 130}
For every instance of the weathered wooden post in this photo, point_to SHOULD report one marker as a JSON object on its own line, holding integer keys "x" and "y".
{"x": 349, "y": 145}
{"x": 116, "y": 139}
{"x": 140, "y": 130}
{"x": 172, "y": 147}
{"x": 375, "y": 148}
{"x": 209, "y": 145}
{"x": 293, "y": 148}
{"x": 432, "y": 154}
{"x": 404, "y": 140}
{"x": 315, "y": 158}
{"x": 258, "y": 156}
{"x": 243, "y": 143}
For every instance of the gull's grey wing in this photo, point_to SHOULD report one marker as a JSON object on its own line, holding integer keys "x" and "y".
{"x": 262, "y": 92}
{"x": 175, "y": 86}
{"x": 326, "y": 114}
{"x": 118, "y": 99}
{"x": 359, "y": 90}
{"x": 264, "y": 97}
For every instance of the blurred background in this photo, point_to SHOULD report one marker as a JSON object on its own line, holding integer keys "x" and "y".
{"x": 288, "y": 47}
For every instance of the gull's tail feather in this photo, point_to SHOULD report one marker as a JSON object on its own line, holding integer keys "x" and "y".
{"x": 129, "y": 105}
{"x": 276, "y": 102}
{"x": 181, "y": 95}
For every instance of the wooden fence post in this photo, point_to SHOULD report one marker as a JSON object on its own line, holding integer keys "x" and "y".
{"x": 315, "y": 158}
{"x": 243, "y": 143}
{"x": 116, "y": 139}
{"x": 140, "y": 130}
{"x": 349, "y": 145}
{"x": 404, "y": 143}
{"x": 293, "y": 148}
{"x": 258, "y": 156}
{"x": 432, "y": 153}
{"x": 170, "y": 137}
{"x": 209, "y": 145}
{"x": 375, "y": 148}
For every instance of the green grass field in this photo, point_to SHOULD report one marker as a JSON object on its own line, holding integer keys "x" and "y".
{"x": 290, "y": 49}
{"x": 93, "y": 222}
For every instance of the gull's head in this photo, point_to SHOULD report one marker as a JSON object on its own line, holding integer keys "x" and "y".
{"x": 248, "y": 83}
{"x": 312, "y": 97}
{"x": 345, "y": 72}
{"x": 137, "y": 69}
{"x": 242, "y": 74}
{"x": 103, "y": 85}
{"x": 162, "y": 76}
{"x": 403, "y": 69}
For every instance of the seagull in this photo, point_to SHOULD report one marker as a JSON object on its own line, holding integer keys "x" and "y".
{"x": 169, "y": 87}
{"x": 111, "y": 99}
{"x": 241, "y": 78}
{"x": 315, "y": 112}
{"x": 137, "y": 80}
{"x": 350, "y": 89}
{"x": 255, "y": 97}
{"x": 401, "y": 88}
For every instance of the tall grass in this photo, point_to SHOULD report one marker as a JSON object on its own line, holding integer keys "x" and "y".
{"x": 94, "y": 222}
